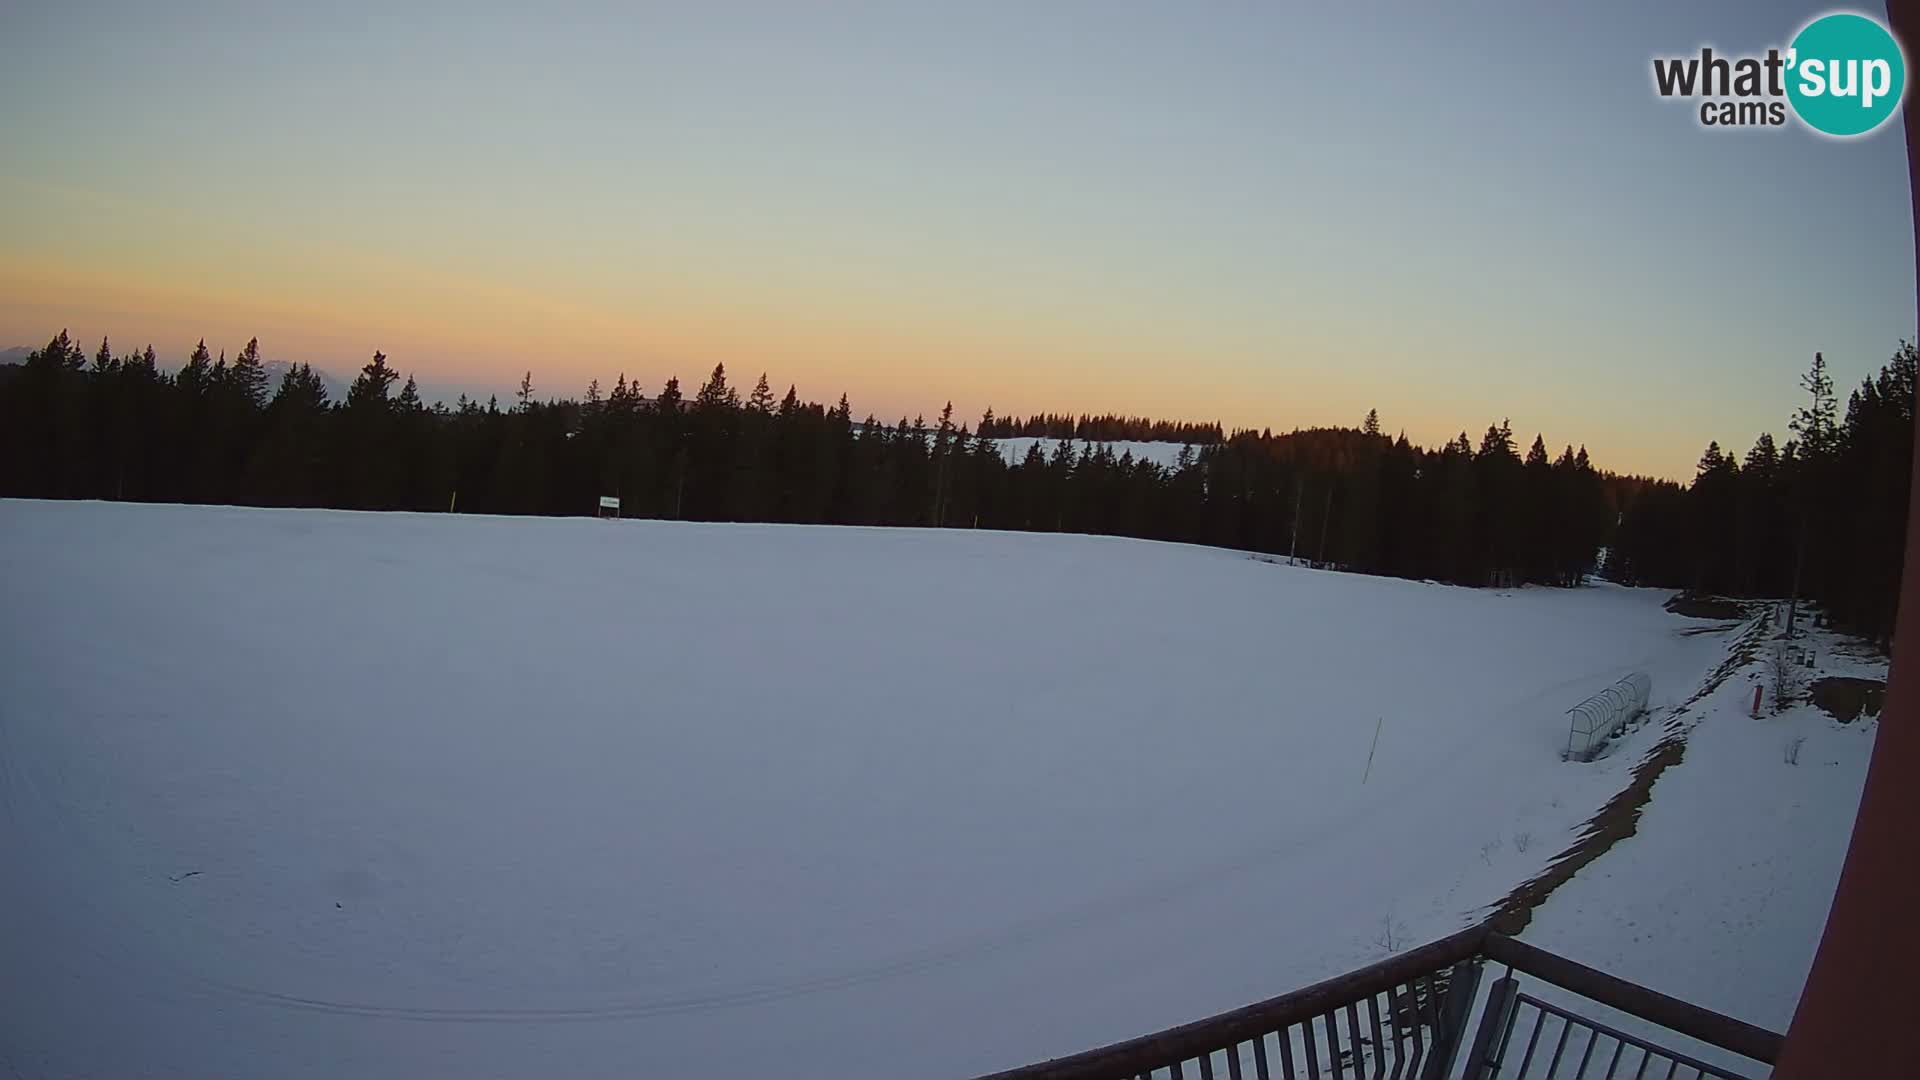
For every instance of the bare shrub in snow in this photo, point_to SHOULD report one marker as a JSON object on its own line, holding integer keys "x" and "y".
{"x": 1791, "y": 752}
{"x": 1392, "y": 936}
{"x": 1522, "y": 841}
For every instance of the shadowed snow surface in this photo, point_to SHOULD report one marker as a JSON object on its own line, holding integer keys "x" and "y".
{"x": 310, "y": 792}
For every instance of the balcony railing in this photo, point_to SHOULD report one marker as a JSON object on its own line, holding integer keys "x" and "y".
{"x": 1421, "y": 1014}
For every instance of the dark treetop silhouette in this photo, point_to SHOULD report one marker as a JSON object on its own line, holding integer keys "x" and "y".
{"x": 1820, "y": 516}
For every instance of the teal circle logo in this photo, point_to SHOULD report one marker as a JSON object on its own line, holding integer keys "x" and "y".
{"x": 1845, "y": 74}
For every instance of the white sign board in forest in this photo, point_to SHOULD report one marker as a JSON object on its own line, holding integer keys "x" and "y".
{"x": 609, "y": 502}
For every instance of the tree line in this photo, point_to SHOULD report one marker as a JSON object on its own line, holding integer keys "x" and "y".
{"x": 1108, "y": 428}
{"x": 122, "y": 427}
{"x": 1820, "y": 517}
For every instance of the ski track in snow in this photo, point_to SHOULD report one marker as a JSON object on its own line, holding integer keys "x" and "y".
{"x": 299, "y": 788}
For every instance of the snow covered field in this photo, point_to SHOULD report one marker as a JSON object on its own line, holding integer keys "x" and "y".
{"x": 1160, "y": 453}
{"x": 319, "y": 793}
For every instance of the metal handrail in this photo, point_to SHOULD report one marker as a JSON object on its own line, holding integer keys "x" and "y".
{"x": 1147, "y": 1052}
{"x": 1688, "y": 1019}
{"x": 1570, "y": 1020}
{"x": 1251, "y": 1023}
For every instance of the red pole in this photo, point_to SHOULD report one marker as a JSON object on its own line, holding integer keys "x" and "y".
{"x": 1756, "y": 703}
{"x": 1863, "y": 985}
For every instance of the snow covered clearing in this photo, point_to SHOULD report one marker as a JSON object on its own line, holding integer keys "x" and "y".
{"x": 1164, "y": 454}
{"x": 322, "y": 793}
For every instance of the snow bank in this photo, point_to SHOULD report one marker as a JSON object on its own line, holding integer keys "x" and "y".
{"x": 322, "y": 793}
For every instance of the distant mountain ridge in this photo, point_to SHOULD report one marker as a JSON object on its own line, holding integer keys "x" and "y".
{"x": 277, "y": 370}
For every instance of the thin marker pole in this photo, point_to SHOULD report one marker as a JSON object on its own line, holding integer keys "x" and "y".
{"x": 1376, "y": 745}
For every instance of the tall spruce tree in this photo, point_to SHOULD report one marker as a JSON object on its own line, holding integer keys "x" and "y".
{"x": 761, "y": 400}
{"x": 370, "y": 388}
{"x": 249, "y": 378}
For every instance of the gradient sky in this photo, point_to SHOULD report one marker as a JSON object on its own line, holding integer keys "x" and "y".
{"x": 1269, "y": 215}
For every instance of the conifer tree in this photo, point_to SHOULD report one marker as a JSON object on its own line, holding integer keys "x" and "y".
{"x": 1537, "y": 453}
{"x": 196, "y": 378}
{"x": 248, "y": 378}
{"x": 370, "y": 388}
{"x": 761, "y": 400}
{"x": 1814, "y": 424}
{"x": 715, "y": 394}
